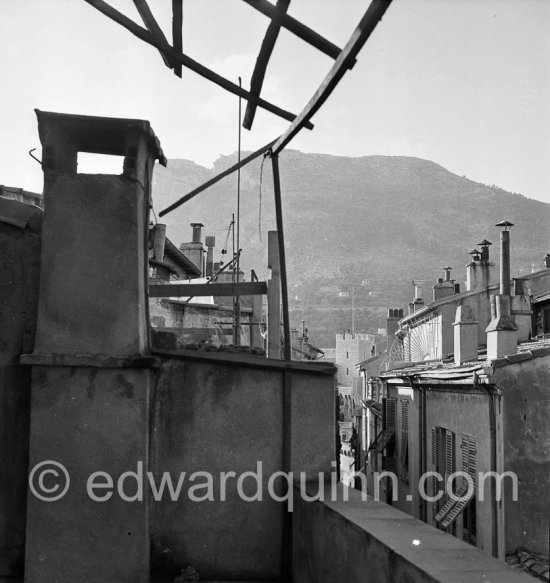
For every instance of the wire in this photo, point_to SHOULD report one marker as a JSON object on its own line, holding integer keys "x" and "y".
{"x": 260, "y": 209}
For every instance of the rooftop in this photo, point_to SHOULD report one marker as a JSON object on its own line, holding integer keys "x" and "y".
{"x": 448, "y": 370}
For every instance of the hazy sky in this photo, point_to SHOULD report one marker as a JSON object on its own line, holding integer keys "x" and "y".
{"x": 465, "y": 83}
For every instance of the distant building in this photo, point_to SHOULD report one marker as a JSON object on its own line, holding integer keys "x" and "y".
{"x": 465, "y": 388}
{"x": 205, "y": 321}
{"x": 22, "y": 195}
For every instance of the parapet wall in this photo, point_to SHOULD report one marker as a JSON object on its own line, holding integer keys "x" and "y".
{"x": 372, "y": 542}
{"x": 229, "y": 415}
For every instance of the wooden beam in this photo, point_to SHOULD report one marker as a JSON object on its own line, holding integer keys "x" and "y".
{"x": 177, "y": 32}
{"x": 368, "y": 23}
{"x": 287, "y": 352}
{"x": 172, "y": 290}
{"x": 273, "y": 298}
{"x": 186, "y": 61}
{"x": 217, "y": 178}
{"x": 262, "y": 60}
{"x": 297, "y": 28}
{"x": 153, "y": 28}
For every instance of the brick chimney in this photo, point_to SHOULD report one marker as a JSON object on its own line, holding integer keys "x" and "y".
{"x": 392, "y": 323}
{"x": 502, "y": 331}
{"x": 465, "y": 335}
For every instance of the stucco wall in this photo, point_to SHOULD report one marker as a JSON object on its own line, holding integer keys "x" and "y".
{"x": 526, "y": 411}
{"x": 372, "y": 542}
{"x": 19, "y": 268}
{"x": 221, "y": 417}
{"x": 466, "y": 413}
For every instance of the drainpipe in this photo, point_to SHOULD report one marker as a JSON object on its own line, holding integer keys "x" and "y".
{"x": 497, "y": 523}
{"x": 422, "y": 454}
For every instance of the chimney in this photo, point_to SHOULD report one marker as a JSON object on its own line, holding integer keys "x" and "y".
{"x": 547, "y": 260}
{"x": 465, "y": 335}
{"x": 210, "y": 242}
{"x": 162, "y": 272}
{"x": 444, "y": 286}
{"x": 502, "y": 332}
{"x": 418, "y": 301}
{"x": 485, "y": 249}
{"x": 392, "y": 323}
{"x": 197, "y": 232}
{"x": 480, "y": 272}
{"x": 159, "y": 240}
{"x": 194, "y": 251}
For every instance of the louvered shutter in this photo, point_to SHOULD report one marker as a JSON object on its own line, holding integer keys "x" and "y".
{"x": 389, "y": 405}
{"x": 450, "y": 467}
{"x": 404, "y": 453}
{"x": 432, "y": 480}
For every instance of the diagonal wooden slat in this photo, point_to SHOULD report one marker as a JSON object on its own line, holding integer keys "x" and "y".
{"x": 262, "y": 61}
{"x": 297, "y": 28}
{"x": 185, "y": 60}
{"x": 367, "y": 24}
{"x": 177, "y": 32}
{"x": 153, "y": 28}
{"x": 359, "y": 37}
{"x": 217, "y": 178}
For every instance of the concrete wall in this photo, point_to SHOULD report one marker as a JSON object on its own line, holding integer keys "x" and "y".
{"x": 372, "y": 542}
{"x": 89, "y": 420}
{"x": 526, "y": 411}
{"x": 227, "y": 415}
{"x": 19, "y": 269}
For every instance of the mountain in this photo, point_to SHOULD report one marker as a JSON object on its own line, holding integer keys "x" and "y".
{"x": 380, "y": 220}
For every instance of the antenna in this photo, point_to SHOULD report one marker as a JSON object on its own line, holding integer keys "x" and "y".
{"x": 236, "y": 298}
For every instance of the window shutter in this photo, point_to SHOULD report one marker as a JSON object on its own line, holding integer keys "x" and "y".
{"x": 450, "y": 455}
{"x": 450, "y": 468}
{"x": 388, "y": 422}
{"x": 404, "y": 454}
{"x": 390, "y": 410}
{"x": 469, "y": 462}
{"x": 432, "y": 481}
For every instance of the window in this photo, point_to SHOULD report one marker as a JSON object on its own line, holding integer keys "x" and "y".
{"x": 446, "y": 511}
{"x": 443, "y": 461}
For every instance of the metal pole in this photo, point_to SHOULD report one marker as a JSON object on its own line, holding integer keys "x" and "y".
{"x": 353, "y": 309}
{"x": 237, "y": 304}
{"x": 504, "y": 263}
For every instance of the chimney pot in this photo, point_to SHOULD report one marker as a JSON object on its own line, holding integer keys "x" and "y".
{"x": 547, "y": 260}
{"x": 197, "y": 232}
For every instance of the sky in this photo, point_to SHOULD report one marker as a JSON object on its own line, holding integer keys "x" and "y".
{"x": 464, "y": 83}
